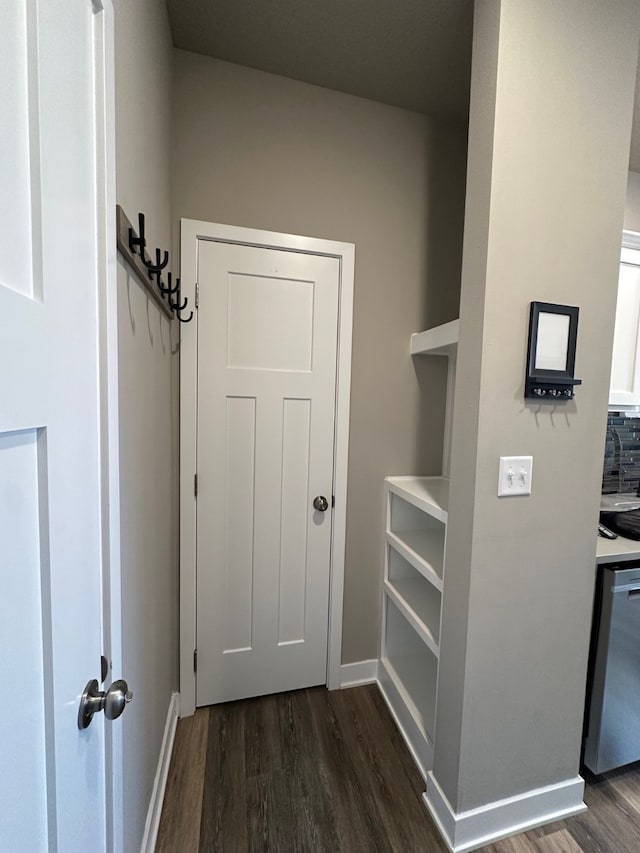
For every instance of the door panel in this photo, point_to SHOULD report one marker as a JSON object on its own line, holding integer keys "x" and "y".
{"x": 624, "y": 387}
{"x": 240, "y": 442}
{"x": 19, "y": 143}
{"x": 52, "y": 798}
{"x": 23, "y": 634}
{"x": 270, "y": 323}
{"x": 296, "y": 428}
{"x": 267, "y": 338}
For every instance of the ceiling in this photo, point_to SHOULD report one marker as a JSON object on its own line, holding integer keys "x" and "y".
{"x": 414, "y": 54}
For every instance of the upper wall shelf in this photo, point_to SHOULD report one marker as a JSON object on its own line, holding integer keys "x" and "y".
{"x": 441, "y": 340}
{"x": 430, "y": 494}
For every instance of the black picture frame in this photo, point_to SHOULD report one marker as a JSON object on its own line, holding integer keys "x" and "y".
{"x": 544, "y": 383}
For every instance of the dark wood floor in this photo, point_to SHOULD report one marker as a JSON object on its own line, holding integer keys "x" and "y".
{"x": 327, "y": 772}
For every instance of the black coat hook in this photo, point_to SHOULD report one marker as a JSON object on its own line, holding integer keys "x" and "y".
{"x": 178, "y": 308}
{"x": 159, "y": 264}
{"x": 182, "y": 320}
{"x": 176, "y": 305}
{"x": 140, "y": 241}
{"x": 137, "y": 246}
{"x": 164, "y": 290}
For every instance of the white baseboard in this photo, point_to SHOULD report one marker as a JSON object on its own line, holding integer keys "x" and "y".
{"x": 360, "y": 672}
{"x": 475, "y": 828}
{"x": 152, "y": 822}
{"x": 412, "y": 734}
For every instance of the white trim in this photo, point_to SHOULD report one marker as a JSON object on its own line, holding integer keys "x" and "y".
{"x": 346, "y": 252}
{"x": 154, "y": 811}
{"x": 619, "y": 400}
{"x": 630, "y": 240}
{"x": 448, "y": 412}
{"x": 192, "y": 231}
{"x": 105, "y": 176}
{"x": 360, "y": 672}
{"x": 475, "y": 828}
{"x": 415, "y": 739}
{"x": 439, "y": 340}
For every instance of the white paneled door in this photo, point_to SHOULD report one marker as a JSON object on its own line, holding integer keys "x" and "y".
{"x": 52, "y": 785}
{"x": 267, "y": 342}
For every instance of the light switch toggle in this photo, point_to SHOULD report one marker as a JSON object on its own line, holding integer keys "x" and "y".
{"x": 514, "y": 477}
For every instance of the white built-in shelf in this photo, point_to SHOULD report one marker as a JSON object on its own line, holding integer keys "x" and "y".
{"x": 430, "y": 494}
{"x": 419, "y": 606}
{"x": 424, "y": 549}
{"x": 414, "y": 572}
{"x": 417, "y": 705}
{"x": 413, "y": 669}
{"x": 441, "y": 340}
{"x": 417, "y": 511}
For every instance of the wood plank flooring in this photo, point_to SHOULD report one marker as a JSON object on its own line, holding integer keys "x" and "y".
{"x": 327, "y": 772}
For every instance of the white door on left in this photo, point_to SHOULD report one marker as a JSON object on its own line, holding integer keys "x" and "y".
{"x": 52, "y": 785}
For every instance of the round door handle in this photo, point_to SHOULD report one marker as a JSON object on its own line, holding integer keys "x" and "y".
{"x": 112, "y": 701}
{"x": 116, "y": 699}
{"x": 321, "y": 503}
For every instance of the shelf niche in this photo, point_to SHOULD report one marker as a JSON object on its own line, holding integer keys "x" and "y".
{"x": 417, "y": 598}
{"x": 441, "y": 340}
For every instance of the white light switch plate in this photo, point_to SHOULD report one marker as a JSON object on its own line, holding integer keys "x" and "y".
{"x": 515, "y": 475}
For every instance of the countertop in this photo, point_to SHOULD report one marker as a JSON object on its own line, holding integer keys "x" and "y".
{"x": 609, "y": 550}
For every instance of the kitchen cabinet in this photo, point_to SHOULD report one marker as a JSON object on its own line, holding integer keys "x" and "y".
{"x": 624, "y": 389}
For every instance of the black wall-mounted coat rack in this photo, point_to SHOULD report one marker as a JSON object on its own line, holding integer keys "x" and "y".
{"x": 132, "y": 246}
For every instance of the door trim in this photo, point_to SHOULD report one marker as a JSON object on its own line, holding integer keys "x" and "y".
{"x": 620, "y": 399}
{"x": 191, "y": 231}
{"x": 105, "y": 95}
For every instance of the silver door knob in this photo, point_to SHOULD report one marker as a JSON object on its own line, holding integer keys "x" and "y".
{"x": 112, "y": 701}
{"x": 116, "y": 699}
{"x": 321, "y": 503}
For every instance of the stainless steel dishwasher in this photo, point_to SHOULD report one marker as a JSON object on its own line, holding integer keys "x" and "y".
{"x": 612, "y": 721}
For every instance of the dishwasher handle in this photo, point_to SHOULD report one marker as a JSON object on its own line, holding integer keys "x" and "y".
{"x": 630, "y": 589}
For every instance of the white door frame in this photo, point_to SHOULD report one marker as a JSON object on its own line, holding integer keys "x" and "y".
{"x": 191, "y": 231}
{"x": 620, "y": 399}
{"x": 109, "y": 409}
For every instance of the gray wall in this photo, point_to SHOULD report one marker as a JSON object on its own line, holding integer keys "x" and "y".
{"x": 520, "y": 572}
{"x": 148, "y": 406}
{"x": 263, "y": 151}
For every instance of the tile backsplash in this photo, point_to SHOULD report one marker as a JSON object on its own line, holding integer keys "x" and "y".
{"x": 621, "y": 472}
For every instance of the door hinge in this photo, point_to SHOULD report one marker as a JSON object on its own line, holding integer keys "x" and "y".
{"x": 195, "y": 485}
{"x": 197, "y": 299}
{"x": 333, "y": 500}
{"x": 195, "y": 660}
